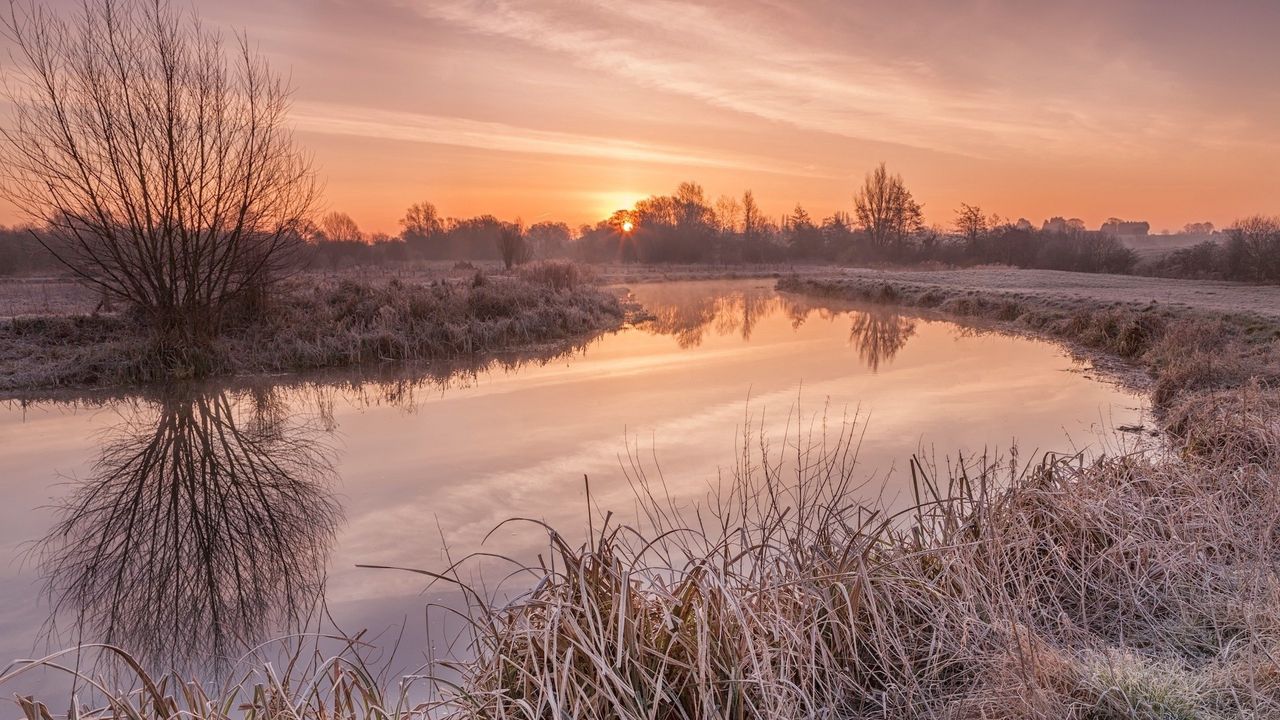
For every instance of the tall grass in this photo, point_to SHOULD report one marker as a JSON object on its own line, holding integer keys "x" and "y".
{"x": 1130, "y": 586}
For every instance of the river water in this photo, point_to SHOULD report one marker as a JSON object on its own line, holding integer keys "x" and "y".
{"x": 188, "y": 524}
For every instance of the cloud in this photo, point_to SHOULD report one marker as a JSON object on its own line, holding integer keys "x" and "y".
{"x": 851, "y": 84}
{"x": 762, "y": 74}
{"x": 332, "y": 119}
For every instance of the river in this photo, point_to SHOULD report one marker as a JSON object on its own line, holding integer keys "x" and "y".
{"x": 187, "y": 524}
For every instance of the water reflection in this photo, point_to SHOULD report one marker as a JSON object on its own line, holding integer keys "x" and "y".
{"x": 204, "y": 526}
{"x": 689, "y": 311}
{"x": 879, "y": 334}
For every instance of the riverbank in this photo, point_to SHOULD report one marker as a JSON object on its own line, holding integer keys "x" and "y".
{"x": 1204, "y": 337}
{"x": 316, "y": 322}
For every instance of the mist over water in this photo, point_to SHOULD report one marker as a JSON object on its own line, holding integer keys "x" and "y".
{"x": 189, "y": 524}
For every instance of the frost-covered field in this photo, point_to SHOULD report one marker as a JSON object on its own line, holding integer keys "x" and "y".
{"x": 1069, "y": 287}
{"x": 43, "y": 296}
{"x": 58, "y": 296}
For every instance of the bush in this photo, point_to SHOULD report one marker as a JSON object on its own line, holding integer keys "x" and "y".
{"x": 559, "y": 275}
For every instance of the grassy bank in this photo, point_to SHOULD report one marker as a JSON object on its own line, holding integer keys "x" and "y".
{"x": 1185, "y": 352}
{"x": 317, "y": 323}
{"x": 1134, "y": 586}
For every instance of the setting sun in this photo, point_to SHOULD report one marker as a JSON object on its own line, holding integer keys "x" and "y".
{"x": 628, "y": 226}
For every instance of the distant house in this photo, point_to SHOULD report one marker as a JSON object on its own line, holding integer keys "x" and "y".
{"x": 1126, "y": 228}
{"x": 1062, "y": 225}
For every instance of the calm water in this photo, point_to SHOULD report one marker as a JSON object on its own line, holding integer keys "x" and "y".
{"x": 191, "y": 523}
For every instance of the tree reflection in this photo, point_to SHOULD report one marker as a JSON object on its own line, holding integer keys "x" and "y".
{"x": 879, "y": 334}
{"x": 204, "y": 526}
{"x": 689, "y": 311}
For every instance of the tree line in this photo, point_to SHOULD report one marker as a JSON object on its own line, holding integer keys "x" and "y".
{"x": 884, "y": 225}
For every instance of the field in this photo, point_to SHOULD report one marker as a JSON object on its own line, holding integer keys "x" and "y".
{"x": 1068, "y": 289}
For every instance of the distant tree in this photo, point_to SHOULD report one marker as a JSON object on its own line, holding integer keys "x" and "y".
{"x": 549, "y": 239}
{"x": 1200, "y": 261}
{"x": 804, "y": 238}
{"x": 161, "y": 168}
{"x": 1200, "y": 228}
{"x": 973, "y": 224}
{"x": 1253, "y": 249}
{"x": 474, "y": 238}
{"x": 512, "y": 245}
{"x": 691, "y": 206}
{"x": 23, "y": 250}
{"x": 752, "y": 227}
{"x": 673, "y": 228}
{"x": 886, "y": 211}
{"x": 728, "y": 212}
{"x": 837, "y": 233}
{"x": 388, "y": 248}
{"x": 422, "y": 229}
{"x": 340, "y": 227}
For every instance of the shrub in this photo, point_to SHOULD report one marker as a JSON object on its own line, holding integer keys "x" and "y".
{"x": 559, "y": 275}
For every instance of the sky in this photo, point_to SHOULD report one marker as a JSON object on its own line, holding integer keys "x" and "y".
{"x": 567, "y": 110}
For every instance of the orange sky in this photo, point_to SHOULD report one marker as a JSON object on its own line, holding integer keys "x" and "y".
{"x": 1161, "y": 110}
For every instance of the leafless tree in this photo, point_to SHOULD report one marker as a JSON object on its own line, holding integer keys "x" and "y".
{"x": 513, "y": 246}
{"x": 752, "y": 227}
{"x": 422, "y": 220}
{"x": 728, "y": 211}
{"x": 158, "y": 162}
{"x": 340, "y": 227}
{"x": 1253, "y": 248}
{"x": 885, "y": 209}
{"x": 972, "y": 223}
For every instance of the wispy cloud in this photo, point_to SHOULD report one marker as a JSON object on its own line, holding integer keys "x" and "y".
{"x": 727, "y": 58}
{"x": 757, "y": 73}
{"x": 461, "y": 132}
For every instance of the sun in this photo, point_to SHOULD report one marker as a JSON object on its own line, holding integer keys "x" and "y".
{"x": 628, "y": 226}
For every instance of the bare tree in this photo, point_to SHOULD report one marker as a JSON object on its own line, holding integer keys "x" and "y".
{"x": 727, "y": 210}
{"x": 1253, "y": 248}
{"x": 512, "y": 245}
{"x": 973, "y": 224}
{"x": 159, "y": 163}
{"x": 340, "y": 227}
{"x": 885, "y": 210}
{"x": 422, "y": 220}
{"x": 752, "y": 227}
